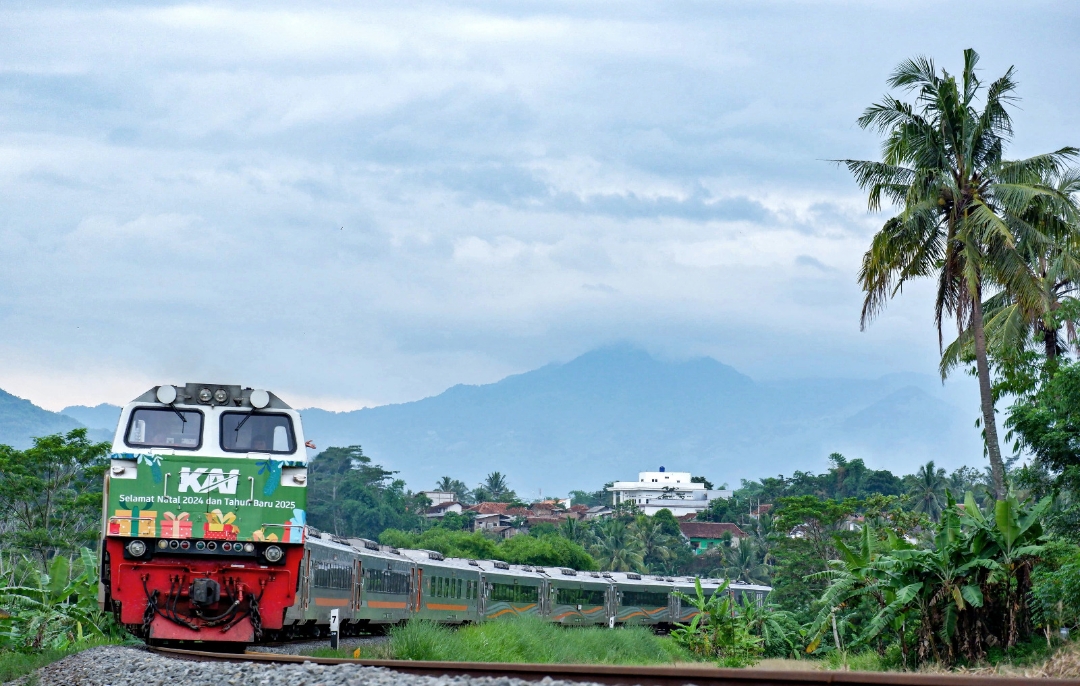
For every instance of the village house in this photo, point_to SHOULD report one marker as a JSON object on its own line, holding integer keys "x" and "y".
{"x": 440, "y": 510}
{"x": 708, "y": 535}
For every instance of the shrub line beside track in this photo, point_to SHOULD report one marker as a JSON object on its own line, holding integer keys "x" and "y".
{"x": 628, "y": 675}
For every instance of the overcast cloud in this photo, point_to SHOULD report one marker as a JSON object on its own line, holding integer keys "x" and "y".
{"x": 361, "y": 203}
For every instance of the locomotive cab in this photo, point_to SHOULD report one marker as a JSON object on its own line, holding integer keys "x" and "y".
{"x": 204, "y": 513}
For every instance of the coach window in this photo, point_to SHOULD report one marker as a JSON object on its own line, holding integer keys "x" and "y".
{"x": 248, "y": 432}
{"x": 153, "y": 427}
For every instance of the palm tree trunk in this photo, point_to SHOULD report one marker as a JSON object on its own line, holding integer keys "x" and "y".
{"x": 1050, "y": 343}
{"x": 997, "y": 467}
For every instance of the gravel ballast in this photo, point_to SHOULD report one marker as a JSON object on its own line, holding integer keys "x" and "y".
{"x": 120, "y": 666}
{"x": 305, "y": 647}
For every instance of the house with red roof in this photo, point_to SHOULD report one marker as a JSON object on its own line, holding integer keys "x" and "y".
{"x": 710, "y": 535}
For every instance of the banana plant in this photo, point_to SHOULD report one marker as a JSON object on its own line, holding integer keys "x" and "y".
{"x": 54, "y": 610}
{"x": 717, "y": 630}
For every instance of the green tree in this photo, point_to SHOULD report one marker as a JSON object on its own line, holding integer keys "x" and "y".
{"x": 961, "y": 204}
{"x": 806, "y": 530}
{"x": 1020, "y": 323}
{"x": 617, "y": 548}
{"x": 719, "y": 510}
{"x": 928, "y": 492}
{"x": 658, "y": 548}
{"x": 350, "y": 496}
{"x": 743, "y": 563}
{"x": 461, "y": 492}
{"x": 50, "y": 494}
{"x": 667, "y": 523}
{"x": 1048, "y": 424}
{"x": 576, "y": 531}
{"x": 494, "y": 489}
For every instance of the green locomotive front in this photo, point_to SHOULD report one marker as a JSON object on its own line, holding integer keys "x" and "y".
{"x": 204, "y": 513}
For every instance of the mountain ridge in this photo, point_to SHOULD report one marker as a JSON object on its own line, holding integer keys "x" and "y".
{"x": 614, "y": 411}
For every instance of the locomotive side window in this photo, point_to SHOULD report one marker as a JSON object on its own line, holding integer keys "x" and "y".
{"x": 579, "y": 596}
{"x": 645, "y": 598}
{"x": 243, "y": 432}
{"x": 151, "y": 427}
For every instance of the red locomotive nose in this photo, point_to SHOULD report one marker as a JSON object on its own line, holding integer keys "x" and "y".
{"x": 210, "y": 598}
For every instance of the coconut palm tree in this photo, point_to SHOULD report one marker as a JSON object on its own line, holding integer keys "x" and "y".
{"x": 743, "y": 563}
{"x": 617, "y": 549}
{"x": 655, "y": 544}
{"x": 929, "y": 490}
{"x": 961, "y": 204}
{"x": 455, "y": 486}
{"x": 494, "y": 488}
{"x": 1047, "y": 316}
{"x": 576, "y": 531}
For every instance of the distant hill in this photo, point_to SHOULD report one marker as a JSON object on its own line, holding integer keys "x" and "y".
{"x": 21, "y": 420}
{"x": 103, "y": 416}
{"x": 613, "y": 412}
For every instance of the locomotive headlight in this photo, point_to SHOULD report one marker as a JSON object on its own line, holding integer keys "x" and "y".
{"x": 249, "y": 547}
{"x": 161, "y": 544}
{"x": 259, "y": 399}
{"x": 272, "y": 553}
{"x": 205, "y": 395}
{"x": 221, "y": 396}
{"x": 166, "y": 395}
{"x": 136, "y": 548}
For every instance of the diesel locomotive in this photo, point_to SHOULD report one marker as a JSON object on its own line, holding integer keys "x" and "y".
{"x": 205, "y": 538}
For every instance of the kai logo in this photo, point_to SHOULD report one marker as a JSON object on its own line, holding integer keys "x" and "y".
{"x": 211, "y": 480}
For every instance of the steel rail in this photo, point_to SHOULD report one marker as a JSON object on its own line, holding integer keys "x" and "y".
{"x": 632, "y": 675}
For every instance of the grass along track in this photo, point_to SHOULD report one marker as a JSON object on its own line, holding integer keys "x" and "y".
{"x": 629, "y": 675}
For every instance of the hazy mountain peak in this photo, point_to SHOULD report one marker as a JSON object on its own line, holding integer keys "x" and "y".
{"x": 614, "y": 411}
{"x": 103, "y": 416}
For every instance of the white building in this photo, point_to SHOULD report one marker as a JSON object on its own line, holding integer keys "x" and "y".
{"x": 439, "y": 497}
{"x": 655, "y": 491}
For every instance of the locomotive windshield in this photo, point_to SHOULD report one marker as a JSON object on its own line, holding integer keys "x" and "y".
{"x": 165, "y": 428}
{"x": 247, "y": 432}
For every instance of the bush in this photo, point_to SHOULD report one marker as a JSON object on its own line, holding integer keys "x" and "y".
{"x": 1055, "y": 588}
{"x": 531, "y": 639}
{"x": 550, "y": 550}
{"x": 865, "y": 661}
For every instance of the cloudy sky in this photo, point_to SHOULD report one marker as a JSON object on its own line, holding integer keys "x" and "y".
{"x": 362, "y": 203}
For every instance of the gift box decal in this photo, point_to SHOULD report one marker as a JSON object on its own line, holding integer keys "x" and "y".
{"x": 220, "y": 526}
{"x": 120, "y": 524}
{"x": 176, "y": 525}
{"x": 148, "y": 523}
{"x": 261, "y": 535}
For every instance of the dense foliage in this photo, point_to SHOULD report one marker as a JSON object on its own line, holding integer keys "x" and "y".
{"x": 548, "y": 550}
{"x": 50, "y": 497}
{"x": 348, "y": 495}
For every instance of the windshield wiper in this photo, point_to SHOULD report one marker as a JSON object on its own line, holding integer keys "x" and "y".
{"x": 242, "y": 421}
{"x": 179, "y": 414}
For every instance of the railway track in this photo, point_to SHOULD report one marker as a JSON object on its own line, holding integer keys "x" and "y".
{"x": 628, "y": 675}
